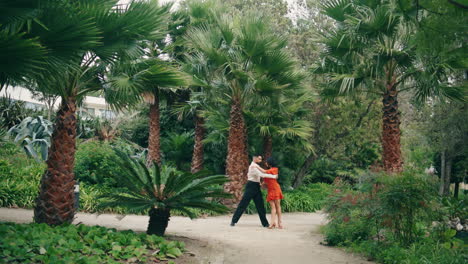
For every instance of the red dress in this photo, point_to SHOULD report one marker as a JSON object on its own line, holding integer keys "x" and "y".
{"x": 274, "y": 189}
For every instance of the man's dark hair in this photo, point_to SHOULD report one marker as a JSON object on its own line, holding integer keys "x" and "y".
{"x": 272, "y": 162}
{"x": 256, "y": 155}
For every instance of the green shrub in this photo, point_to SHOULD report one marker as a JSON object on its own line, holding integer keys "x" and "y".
{"x": 391, "y": 221}
{"x": 308, "y": 198}
{"x": 40, "y": 243}
{"x": 95, "y": 163}
{"x": 19, "y": 177}
{"x": 405, "y": 202}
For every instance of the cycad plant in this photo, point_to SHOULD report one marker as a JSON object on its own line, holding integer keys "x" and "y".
{"x": 159, "y": 190}
{"x": 371, "y": 51}
{"x": 65, "y": 48}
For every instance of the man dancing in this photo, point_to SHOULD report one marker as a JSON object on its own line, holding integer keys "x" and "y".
{"x": 252, "y": 191}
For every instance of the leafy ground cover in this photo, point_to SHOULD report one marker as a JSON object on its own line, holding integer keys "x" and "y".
{"x": 40, "y": 243}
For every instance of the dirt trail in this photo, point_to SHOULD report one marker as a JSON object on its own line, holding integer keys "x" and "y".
{"x": 212, "y": 240}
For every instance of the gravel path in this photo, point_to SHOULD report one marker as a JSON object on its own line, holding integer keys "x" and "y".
{"x": 212, "y": 240}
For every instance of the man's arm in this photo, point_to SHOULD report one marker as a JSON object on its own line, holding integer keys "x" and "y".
{"x": 265, "y": 175}
{"x": 258, "y": 167}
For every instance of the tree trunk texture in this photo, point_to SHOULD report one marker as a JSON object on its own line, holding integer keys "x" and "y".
{"x": 237, "y": 161}
{"x": 154, "y": 140}
{"x": 442, "y": 173}
{"x": 392, "y": 161}
{"x": 55, "y": 203}
{"x": 197, "y": 156}
{"x": 456, "y": 191}
{"x": 158, "y": 222}
{"x": 448, "y": 175}
{"x": 267, "y": 147}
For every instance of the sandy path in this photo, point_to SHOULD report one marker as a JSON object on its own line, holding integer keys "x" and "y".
{"x": 214, "y": 241}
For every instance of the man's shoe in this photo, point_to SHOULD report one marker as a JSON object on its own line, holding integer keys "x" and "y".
{"x": 232, "y": 224}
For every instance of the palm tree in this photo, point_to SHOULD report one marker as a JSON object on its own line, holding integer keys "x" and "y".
{"x": 146, "y": 80}
{"x": 159, "y": 190}
{"x": 283, "y": 120}
{"x": 193, "y": 14}
{"x": 245, "y": 59}
{"x": 112, "y": 33}
{"x": 371, "y": 51}
{"x": 39, "y": 38}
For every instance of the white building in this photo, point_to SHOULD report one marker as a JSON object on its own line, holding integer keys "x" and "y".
{"x": 92, "y": 106}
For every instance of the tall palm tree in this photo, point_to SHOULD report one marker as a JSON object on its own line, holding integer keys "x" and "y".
{"x": 159, "y": 190}
{"x": 114, "y": 32}
{"x": 371, "y": 51}
{"x": 244, "y": 59}
{"x": 193, "y": 14}
{"x": 146, "y": 80}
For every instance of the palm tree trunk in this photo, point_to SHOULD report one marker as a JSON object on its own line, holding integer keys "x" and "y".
{"x": 159, "y": 219}
{"x": 442, "y": 173}
{"x": 267, "y": 147}
{"x": 197, "y": 157}
{"x": 237, "y": 161}
{"x": 55, "y": 203}
{"x": 154, "y": 140}
{"x": 392, "y": 161}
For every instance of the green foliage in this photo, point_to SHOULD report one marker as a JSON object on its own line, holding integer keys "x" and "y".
{"x": 19, "y": 177}
{"x": 177, "y": 149}
{"x": 33, "y": 134}
{"x": 40, "y": 243}
{"x": 406, "y": 202}
{"x": 165, "y": 188}
{"x": 389, "y": 219}
{"x": 12, "y": 112}
{"x": 308, "y": 198}
{"x": 96, "y": 161}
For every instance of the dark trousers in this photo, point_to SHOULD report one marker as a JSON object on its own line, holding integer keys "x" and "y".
{"x": 252, "y": 191}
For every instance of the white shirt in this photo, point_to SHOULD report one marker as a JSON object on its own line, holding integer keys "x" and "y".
{"x": 254, "y": 173}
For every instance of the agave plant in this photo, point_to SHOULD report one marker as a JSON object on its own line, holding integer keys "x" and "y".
{"x": 158, "y": 190}
{"x": 33, "y": 134}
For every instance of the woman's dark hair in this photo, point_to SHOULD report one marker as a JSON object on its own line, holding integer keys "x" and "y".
{"x": 272, "y": 162}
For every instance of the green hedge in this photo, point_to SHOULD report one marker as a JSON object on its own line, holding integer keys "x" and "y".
{"x": 307, "y": 198}
{"x": 40, "y": 243}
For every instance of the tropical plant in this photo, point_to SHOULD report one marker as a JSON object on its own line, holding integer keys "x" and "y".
{"x": 147, "y": 81}
{"x": 371, "y": 51}
{"x": 158, "y": 190}
{"x": 33, "y": 134}
{"x": 177, "y": 148}
{"x": 12, "y": 112}
{"x": 245, "y": 61}
{"x": 81, "y": 39}
{"x": 99, "y": 244}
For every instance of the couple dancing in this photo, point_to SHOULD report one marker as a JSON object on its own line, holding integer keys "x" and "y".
{"x": 252, "y": 191}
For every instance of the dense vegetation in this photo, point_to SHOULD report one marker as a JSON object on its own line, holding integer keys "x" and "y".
{"x": 362, "y": 102}
{"x": 40, "y": 243}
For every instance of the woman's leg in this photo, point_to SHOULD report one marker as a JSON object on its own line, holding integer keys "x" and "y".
{"x": 273, "y": 214}
{"x": 278, "y": 212}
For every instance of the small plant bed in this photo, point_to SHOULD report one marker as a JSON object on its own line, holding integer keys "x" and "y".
{"x": 40, "y": 243}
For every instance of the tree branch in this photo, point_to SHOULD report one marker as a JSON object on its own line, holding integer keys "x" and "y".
{"x": 453, "y": 2}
